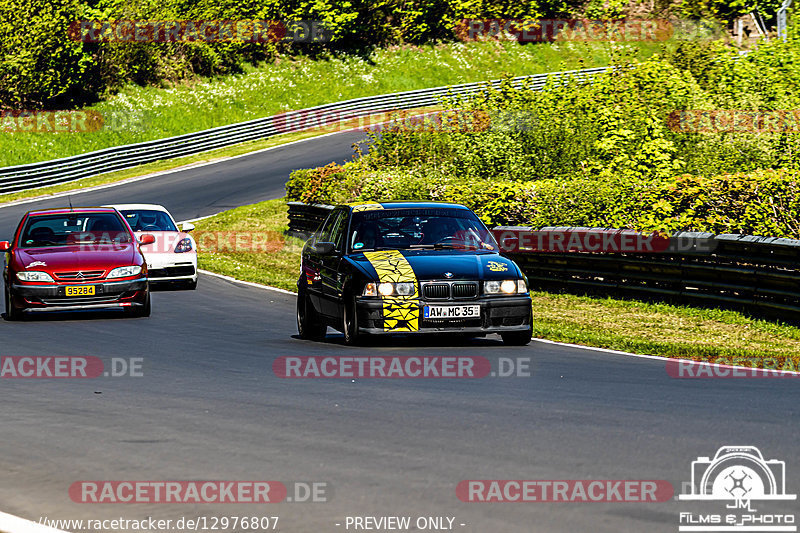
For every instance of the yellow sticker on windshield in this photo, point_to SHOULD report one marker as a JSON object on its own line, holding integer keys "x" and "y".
{"x": 400, "y": 313}
{"x": 366, "y": 207}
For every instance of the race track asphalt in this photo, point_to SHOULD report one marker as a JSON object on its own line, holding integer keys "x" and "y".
{"x": 209, "y": 407}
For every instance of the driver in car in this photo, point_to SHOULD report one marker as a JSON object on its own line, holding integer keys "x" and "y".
{"x": 435, "y": 230}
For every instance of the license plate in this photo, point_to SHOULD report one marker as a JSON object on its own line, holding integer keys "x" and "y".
{"x": 80, "y": 290}
{"x": 452, "y": 311}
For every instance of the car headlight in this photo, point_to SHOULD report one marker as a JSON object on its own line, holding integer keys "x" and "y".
{"x": 124, "y": 272}
{"x": 506, "y": 286}
{"x": 184, "y": 246}
{"x": 404, "y": 288}
{"x": 386, "y": 289}
{"x": 34, "y": 275}
{"x": 371, "y": 289}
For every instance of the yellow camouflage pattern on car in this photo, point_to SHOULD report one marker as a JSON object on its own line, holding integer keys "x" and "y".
{"x": 400, "y": 313}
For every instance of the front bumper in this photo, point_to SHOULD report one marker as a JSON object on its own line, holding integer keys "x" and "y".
{"x": 498, "y": 315}
{"x": 108, "y": 294}
{"x": 172, "y": 273}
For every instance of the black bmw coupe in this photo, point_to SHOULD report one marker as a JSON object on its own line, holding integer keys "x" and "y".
{"x": 409, "y": 268}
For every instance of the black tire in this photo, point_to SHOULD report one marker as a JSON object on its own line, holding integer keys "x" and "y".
{"x": 190, "y": 285}
{"x": 142, "y": 311}
{"x": 12, "y": 312}
{"x": 309, "y": 325}
{"x": 350, "y": 324}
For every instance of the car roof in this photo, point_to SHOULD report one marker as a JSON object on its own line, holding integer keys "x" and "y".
{"x": 405, "y": 204}
{"x": 149, "y": 207}
{"x": 62, "y": 210}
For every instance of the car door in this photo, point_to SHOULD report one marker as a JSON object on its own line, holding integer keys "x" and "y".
{"x": 312, "y": 261}
{"x": 330, "y": 263}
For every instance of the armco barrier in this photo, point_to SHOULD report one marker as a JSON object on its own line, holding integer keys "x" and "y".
{"x": 759, "y": 274}
{"x": 34, "y": 175}
{"x": 304, "y": 219}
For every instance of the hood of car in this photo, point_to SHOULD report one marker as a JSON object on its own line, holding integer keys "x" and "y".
{"x": 442, "y": 265}
{"x": 76, "y": 257}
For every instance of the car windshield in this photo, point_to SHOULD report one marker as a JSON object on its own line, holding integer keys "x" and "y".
{"x": 73, "y": 228}
{"x": 148, "y": 220}
{"x": 421, "y": 228}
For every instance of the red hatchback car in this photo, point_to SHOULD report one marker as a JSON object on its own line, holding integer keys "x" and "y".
{"x": 81, "y": 258}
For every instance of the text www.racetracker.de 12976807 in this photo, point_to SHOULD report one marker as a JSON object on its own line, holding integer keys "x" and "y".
{"x": 195, "y": 523}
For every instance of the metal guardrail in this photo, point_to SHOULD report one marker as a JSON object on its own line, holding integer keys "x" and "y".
{"x": 34, "y": 175}
{"x": 305, "y": 219}
{"x": 757, "y": 274}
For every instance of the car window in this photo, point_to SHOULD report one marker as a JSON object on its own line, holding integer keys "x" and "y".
{"x": 419, "y": 228}
{"x": 148, "y": 220}
{"x": 338, "y": 231}
{"x": 73, "y": 228}
{"x": 332, "y": 224}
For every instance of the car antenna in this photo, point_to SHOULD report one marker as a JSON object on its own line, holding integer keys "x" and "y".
{"x": 69, "y": 199}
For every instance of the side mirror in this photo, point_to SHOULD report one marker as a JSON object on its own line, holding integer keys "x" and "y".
{"x": 147, "y": 239}
{"x": 187, "y": 227}
{"x": 5, "y": 246}
{"x": 324, "y": 247}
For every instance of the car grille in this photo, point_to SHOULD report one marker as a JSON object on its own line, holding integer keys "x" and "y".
{"x": 465, "y": 290}
{"x": 451, "y": 290}
{"x": 437, "y": 291}
{"x": 80, "y": 275}
{"x": 169, "y": 272}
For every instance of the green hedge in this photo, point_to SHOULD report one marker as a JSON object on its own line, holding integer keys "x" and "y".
{"x": 765, "y": 202}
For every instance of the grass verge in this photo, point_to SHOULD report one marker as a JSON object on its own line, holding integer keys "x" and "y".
{"x": 645, "y": 328}
{"x": 277, "y": 265}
